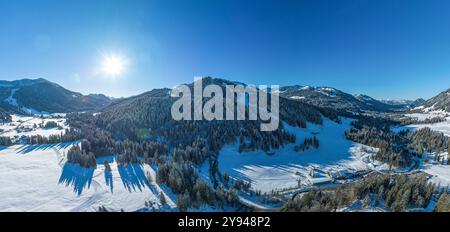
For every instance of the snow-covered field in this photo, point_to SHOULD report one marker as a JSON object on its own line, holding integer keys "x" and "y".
{"x": 286, "y": 168}
{"x": 37, "y": 178}
{"x": 438, "y": 169}
{"x": 29, "y": 125}
{"x": 440, "y": 173}
{"x": 443, "y": 127}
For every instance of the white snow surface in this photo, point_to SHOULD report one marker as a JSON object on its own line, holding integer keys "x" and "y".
{"x": 285, "y": 168}
{"x": 437, "y": 168}
{"x": 439, "y": 171}
{"x": 443, "y": 127}
{"x": 37, "y": 178}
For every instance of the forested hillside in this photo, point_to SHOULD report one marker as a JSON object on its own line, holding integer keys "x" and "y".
{"x": 141, "y": 129}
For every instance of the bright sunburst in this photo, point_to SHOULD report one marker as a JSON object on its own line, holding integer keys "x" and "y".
{"x": 113, "y": 65}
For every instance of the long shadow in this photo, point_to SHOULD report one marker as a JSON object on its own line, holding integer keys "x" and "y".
{"x": 24, "y": 149}
{"x": 133, "y": 177}
{"x": 108, "y": 174}
{"x": 109, "y": 180}
{"x": 77, "y": 177}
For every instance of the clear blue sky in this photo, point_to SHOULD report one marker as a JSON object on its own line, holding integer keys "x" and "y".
{"x": 386, "y": 49}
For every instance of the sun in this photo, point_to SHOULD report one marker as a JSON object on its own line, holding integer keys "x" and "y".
{"x": 113, "y": 65}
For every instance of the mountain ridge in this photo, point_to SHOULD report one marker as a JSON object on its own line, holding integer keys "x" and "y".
{"x": 335, "y": 98}
{"x": 43, "y": 96}
{"x": 38, "y": 96}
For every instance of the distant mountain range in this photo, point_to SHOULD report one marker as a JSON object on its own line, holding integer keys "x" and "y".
{"x": 337, "y": 99}
{"x": 34, "y": 96}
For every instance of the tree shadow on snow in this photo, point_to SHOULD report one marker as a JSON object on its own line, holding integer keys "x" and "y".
{"x": 133, "y": 177}
{"x": 77, "y": 177}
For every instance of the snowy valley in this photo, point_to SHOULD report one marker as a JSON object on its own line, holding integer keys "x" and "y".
{"x": 129, "y": 155}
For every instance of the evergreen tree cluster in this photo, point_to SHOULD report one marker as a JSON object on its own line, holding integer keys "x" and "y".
{"x": 203, "y": 194}
{"x": 50, "y": 124}
{"x": 429, "y": 140}
{"x": 76, "y": 155}
{"x": 69, "y": 135}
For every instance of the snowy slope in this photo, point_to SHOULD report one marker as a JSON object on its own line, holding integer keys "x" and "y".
{"x": 440, "y": 174}
{"x": 36, "y": 178}
{"x": 443, "y": 127}
{"x": 285, "y": 168}
{"x": 40, "y": 96}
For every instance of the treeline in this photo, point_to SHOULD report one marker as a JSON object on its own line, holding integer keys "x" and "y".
{"x": 69, "y": 135}
{"x": 395, "y": 193}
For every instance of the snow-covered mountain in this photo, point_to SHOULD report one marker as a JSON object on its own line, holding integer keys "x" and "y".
{"x": 158, "y": 161}
{"x": 336, "y": 99}
{"x": 42, "y": 96}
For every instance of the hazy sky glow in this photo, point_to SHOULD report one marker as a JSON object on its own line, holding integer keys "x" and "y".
{"x": 383, "y": 48}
